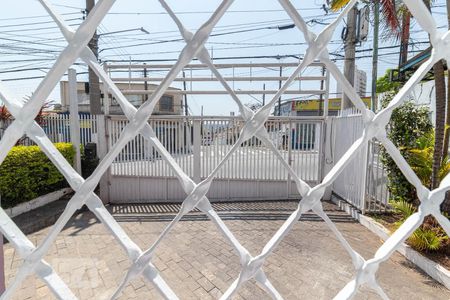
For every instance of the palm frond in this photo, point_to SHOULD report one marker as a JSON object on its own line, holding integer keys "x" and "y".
{"x": 390, "y": 14}
{"x": 406, "y": 209}
{"x": 338, "y": 4}
{"x": 426, "y": 240}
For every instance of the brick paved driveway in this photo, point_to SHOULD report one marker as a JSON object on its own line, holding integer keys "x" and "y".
{"x": 198, "y": 263}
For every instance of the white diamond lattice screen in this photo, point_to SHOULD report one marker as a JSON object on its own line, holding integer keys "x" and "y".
{"x": 251, "y": 266}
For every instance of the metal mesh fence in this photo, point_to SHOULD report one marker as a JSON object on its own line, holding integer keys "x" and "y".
{"x": 251, "y": 266}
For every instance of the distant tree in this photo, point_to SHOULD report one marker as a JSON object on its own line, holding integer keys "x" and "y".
{"x": 385, "y": 84}
{"x": 5, "y": 118}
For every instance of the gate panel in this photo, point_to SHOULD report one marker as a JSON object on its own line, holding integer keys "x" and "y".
{"x": 253, "y": 172}
{"x": 350, "y": 184}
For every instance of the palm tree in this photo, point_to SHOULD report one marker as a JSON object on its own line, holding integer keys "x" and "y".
{"x": 446, "y": 205}
{"x": 439, "y": 82}
{"x": 447, "y": 123}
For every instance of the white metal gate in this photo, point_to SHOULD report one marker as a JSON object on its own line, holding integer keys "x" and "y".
{"x": 350, "y": 184}
{"x": 198, "y": 144}
{"x": 363, "y": 182}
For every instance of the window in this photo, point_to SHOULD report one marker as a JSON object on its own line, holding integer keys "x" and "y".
{"x": 136, "y": 100}
{"x": 166, "y": 103}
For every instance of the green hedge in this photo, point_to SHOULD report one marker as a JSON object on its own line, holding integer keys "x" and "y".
{"x": 27, "y": 173}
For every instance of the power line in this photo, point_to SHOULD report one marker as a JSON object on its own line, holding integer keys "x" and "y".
{"x": 40, "y": 28}
{"x": 181, "y": 39}
{"x": 210, "y": 12}
{"x": 296, "y": 56}
{"x": 32, "y": 17}
{"x": 36, "y": 77}
{"x": 35, "y": 23}
{"x": 279, "y": 56}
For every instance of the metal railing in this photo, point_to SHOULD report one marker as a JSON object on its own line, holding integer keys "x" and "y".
{"x": 349, "y": 185}
{"x": 57, "y": 128}
{"x": 377, "y": 192}
{"x": 199, "y": 144}
{"x": 297, "y": 139}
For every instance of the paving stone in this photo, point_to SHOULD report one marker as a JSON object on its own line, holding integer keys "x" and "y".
{"x": 197, "y": 262}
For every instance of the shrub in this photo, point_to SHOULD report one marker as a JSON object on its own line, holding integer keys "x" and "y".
{"x": 408, "y": 124}
{"x": 27, "y": 173}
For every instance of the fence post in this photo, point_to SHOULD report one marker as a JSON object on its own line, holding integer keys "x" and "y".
{"x": 102, "y": 148}
{"x": 365, "y": 153}
{"x": 105, "y": 89}
{"x": 327, "y": 153}
{"x": 197, "y": 150}
{"x": 289, "y": 145}
{"x": 74, "y": 118}
{"x": 2, "y": 262}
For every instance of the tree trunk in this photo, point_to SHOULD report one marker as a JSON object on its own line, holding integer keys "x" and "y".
{"x": 447, "y": 121}
{"x": 445, "y": 207}
{"x": 439, "y": 79}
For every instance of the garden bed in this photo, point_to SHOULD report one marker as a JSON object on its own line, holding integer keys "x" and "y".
{"x": 388, "y": 221}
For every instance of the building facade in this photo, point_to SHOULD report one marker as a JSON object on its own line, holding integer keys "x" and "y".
{"x": 169, "y": 104}
{"x": 360, "y": 84}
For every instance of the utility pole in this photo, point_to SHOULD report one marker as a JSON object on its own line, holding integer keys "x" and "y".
{"x": 373, "y": 99}
{"x": 95, "y": 106}
{"x": 279, "y": 87}
{"x": 145, "y": 83}
{"x": 264, "y": 95}
{"x": 350, "y": 47}
{"x": 321, "y": 94}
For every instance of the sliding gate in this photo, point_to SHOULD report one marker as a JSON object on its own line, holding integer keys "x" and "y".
{"x": 198, "y": 145}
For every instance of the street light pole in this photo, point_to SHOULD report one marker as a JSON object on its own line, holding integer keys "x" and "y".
{"x": 125, "y": 30}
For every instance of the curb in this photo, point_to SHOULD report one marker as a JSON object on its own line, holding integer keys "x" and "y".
{"x": 36, "y": 202}
{"x": 433, "y": 269}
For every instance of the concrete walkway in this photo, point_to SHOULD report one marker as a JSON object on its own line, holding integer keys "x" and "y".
{"x": 198, "y": 263}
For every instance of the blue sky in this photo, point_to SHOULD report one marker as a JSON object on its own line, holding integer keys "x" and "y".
{"x": 25, "y": 29}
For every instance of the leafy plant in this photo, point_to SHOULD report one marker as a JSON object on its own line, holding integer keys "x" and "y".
{"x": 27, "y": 173}
{"x": 421, "y": 159}
{"x": 405, "y": 209}
{"x": 427, "y": 237}
{"x": 427, "y": 240}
